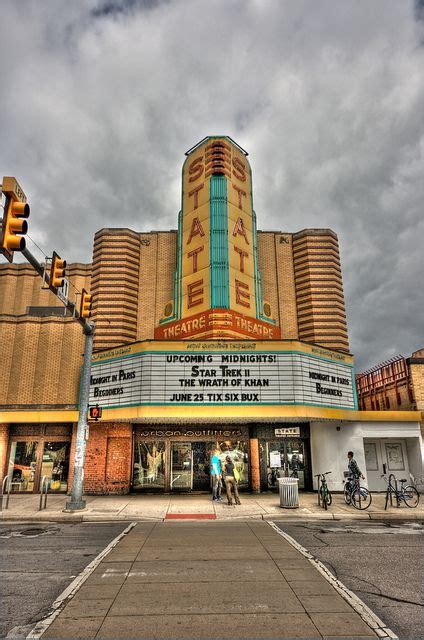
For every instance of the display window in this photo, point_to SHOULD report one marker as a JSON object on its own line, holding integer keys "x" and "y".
{"x": 238, "y": 452}
{"x": 32, "y": 459}
{"x": 149, "y": 465}
{"x": 182, "y": 465}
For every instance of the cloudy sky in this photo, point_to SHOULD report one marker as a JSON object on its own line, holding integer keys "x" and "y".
{"x": 101, "y": 98}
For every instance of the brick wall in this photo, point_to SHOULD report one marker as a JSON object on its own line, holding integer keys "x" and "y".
{"x": 108, "y": 459}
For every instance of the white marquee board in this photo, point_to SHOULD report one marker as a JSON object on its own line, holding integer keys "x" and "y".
{"x": 272, "y": 378}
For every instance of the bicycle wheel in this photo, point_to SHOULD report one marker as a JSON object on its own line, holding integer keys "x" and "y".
{"x": 411, "y": 496}
{"x": 346, "y": 495}
{"x": 272, "y": 479}
{"x": 323, "y": 493}
{"x": 329, "y": 498}
{"x": 361, "y": 498}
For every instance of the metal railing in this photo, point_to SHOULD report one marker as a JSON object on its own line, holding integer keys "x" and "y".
{"x": 44, "y": 487}
{"x": 5, "y": 488}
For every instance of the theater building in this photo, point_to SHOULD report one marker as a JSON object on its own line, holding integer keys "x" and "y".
{"x": 215, "y": 334}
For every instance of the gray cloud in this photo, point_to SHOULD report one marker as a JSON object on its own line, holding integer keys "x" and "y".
{"x": 101, "y": 99}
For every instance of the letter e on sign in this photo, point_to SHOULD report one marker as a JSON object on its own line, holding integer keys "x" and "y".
{"x": 194, "y": 289}
{"x": 242, "y": 294}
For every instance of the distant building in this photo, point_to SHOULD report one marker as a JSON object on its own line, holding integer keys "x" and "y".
{"x": 212, "y": 335}
{"x": 397, "y": 384}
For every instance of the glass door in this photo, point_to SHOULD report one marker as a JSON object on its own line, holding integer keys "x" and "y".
{"x": 55, "y": 465}
{"x": 181, "y": 466}
{"x": 202, "y": 455}
{"x": 285, "y": 458}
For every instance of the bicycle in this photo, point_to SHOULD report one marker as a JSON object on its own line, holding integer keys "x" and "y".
{"x": 324, "y": 494}
{"x": 356, "y": 495}
{"x": 273, "y": 476}
{"x": 408, "y": 493}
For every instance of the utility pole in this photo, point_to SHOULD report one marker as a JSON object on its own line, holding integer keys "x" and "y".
{"x": 76, "y": 503}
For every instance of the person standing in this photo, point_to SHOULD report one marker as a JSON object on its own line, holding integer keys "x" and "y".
{"x": 230, "y": 481}
{"x": 354, "y": 472}
{"x": 216, "y": 473}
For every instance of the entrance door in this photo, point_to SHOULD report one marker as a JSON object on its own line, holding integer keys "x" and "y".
{"x": 202, "y": 454}
{"x": 181, "y": 466}
{"x": 384, "y": 456}
{"x": 285, "y": 458}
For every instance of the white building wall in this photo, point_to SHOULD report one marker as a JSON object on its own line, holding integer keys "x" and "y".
{"x": 330, "y": 442}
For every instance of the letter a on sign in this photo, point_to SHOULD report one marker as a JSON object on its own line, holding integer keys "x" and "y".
{"x": 196, "y": 230}
{"x": 239, "y": 230}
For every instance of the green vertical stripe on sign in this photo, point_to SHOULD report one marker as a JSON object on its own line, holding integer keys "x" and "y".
{"x": 219, "y": 270}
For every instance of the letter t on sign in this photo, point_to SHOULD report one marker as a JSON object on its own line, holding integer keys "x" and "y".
{"x": 193, "y": 254}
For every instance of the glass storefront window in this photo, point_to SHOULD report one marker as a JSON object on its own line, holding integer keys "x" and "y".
{"x": 23, "y": 465}
{"x": 239, "y": 453}
{"x": 285, "y": 457}
{"x": 149, "y": 465}
{"x": 55, "y": 465}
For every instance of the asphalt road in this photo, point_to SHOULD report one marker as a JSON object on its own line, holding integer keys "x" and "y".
{"x": 38, "y": 561}
{"x": 383, "y": 563}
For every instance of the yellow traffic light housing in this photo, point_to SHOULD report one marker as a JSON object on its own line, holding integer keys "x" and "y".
{"x": 14, "y": 225}
{"x": 57, "y": 272}
{"x": 85, "y": 305}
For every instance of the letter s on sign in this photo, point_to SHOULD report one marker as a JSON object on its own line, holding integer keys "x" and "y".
{"x": 195, "y": 169}
{"x": 239, "y": 170}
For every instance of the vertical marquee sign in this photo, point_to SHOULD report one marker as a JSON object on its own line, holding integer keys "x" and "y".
{"x": 217, "y": 281}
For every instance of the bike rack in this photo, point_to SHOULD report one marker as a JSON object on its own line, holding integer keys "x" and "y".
{"x": 44, "y": 487}
{"x": 5, "y": 485}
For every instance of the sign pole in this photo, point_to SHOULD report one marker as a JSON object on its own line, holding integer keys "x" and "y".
{"x": 76, "y": 503}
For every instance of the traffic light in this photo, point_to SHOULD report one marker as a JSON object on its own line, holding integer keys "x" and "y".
{"x": 14, "y": 225}
{"x": 85, "y": 305}
{"x": 57, "y": 272}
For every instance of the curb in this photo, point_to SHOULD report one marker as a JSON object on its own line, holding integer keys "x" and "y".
{"x": 368, "y": 616}
{"x": 58, "y": 516}
{"x": 66, "y": 595}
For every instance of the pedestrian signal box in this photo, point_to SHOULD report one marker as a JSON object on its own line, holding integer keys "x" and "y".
{"x": 95, "y": 413}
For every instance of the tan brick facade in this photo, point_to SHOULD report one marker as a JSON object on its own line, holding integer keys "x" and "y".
{"x": 41, "y": 356}
{"x": 132, "y": 279}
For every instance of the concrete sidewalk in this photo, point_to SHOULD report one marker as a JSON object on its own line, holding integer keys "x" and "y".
{"x": 206, "y": 580}
{"x": 160, "y": 507}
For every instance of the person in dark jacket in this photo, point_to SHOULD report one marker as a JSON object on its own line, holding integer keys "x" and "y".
{"x": 230, "y": 481}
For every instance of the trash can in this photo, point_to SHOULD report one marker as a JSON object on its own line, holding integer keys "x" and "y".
{"x": 289, "y": 493}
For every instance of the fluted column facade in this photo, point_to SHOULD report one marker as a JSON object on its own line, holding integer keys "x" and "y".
{"x": 115, "y": 286}
{"x": 320, "y": 301}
